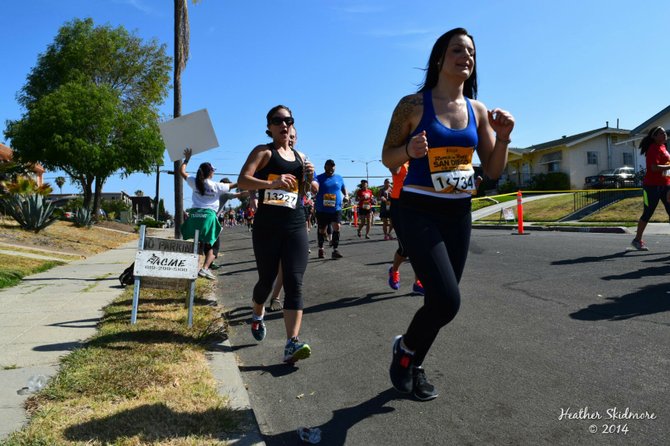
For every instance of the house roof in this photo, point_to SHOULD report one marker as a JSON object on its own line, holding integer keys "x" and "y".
{"x": 642, "y": 127}
{"x": 571, "y": 140}
{"x": 6, "y": 154}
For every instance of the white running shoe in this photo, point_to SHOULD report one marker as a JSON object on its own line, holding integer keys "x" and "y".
{"x": 207, "y": 274}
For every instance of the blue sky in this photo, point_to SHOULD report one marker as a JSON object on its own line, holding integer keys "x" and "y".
{"x": 559, "y": 67}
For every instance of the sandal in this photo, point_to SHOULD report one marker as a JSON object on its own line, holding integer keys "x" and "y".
{"x": 275, "y": 304}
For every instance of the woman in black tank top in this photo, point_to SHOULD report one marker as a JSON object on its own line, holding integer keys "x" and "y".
{"x": 280, "y": 174}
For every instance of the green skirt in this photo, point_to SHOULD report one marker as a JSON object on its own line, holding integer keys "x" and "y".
{"x": 203, "y": 220}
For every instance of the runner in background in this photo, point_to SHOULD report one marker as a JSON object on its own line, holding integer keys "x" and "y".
{"x": 385, "y": 209}
{"x": 399, "y": 174}
{"x": 364, "y": 197}
{"x": 328, "y": 205}
{"x": 656, "y": 181}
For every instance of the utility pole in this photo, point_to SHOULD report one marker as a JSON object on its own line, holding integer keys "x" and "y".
{"x": 181, "y": 44}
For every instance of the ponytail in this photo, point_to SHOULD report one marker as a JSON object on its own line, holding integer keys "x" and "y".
{"x": 200, "y": 182}
{"x": 204, "y": 171}
{"x": 647, "y": 140}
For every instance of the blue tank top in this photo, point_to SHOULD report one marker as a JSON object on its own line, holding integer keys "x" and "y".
{"x": 439, "y": 135}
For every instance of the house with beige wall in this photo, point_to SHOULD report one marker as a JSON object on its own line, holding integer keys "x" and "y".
{"x": 579, "y": 156}
{"x": 584, "y": 154}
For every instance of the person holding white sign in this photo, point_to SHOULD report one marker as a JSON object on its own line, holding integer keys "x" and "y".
{"x": 281, "y": 176}
{"x": 202, "y": 216}
{"x": 438, "y": 130}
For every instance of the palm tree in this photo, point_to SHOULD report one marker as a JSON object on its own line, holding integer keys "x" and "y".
{"x": 60, "y": 181}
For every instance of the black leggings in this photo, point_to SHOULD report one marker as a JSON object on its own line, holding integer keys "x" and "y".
{"x": 652, "y": 195}
{"x": 437, "y": 242}
{"x": 288, "y": 245}
{"x": 395, "y": 221}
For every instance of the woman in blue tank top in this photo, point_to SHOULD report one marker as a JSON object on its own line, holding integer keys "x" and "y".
{"x": 281, "y": 175}
{"x": 438, "y": 129}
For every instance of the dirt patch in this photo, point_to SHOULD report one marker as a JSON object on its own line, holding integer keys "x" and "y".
{"x": 64, "y": 236}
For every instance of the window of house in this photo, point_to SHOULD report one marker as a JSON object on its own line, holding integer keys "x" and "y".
{"x": 628, "y": 159}
{"x": 554, "y": 167}
{"x": 592, "y": 158}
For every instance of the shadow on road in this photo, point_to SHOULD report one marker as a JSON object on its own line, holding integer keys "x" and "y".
{"x": 648, "y": 300}
{"x": 242, "y": 315}
{"x": 334, "y": 432}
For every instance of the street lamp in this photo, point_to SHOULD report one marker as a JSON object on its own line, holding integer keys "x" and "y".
{"x": 367, "y": 176}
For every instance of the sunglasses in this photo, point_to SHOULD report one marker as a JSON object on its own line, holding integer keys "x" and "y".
{"x": 276, "y": 120}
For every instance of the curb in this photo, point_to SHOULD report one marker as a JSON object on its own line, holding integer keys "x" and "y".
{"x": 223, "y": 365}
{"x": 591, "y": 229}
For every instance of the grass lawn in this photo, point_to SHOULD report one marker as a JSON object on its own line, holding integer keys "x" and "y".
{"x": 553, "y": 208}
{"x": 147, "y": 383}
{"x": 63, "y": 240}
{"x": 14, "y": 268}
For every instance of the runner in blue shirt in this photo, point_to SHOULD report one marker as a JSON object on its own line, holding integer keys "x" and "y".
{"x": 328, "y": 205}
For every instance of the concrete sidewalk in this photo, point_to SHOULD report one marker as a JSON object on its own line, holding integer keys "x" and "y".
{"x": 49, "y": 314}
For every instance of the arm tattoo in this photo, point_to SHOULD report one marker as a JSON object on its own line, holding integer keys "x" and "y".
{"x": 401, "y": 124}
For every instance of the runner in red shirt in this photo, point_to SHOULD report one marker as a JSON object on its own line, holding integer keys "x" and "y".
{"x": 364, "y": 196}
{"x": 656, "y": 182}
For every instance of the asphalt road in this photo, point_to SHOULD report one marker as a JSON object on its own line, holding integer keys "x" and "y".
{"x": 557, "y": 333}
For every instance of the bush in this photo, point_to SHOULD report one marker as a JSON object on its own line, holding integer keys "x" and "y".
{"x": 507, "y": 187}
{"x": 32, "y": 212}
{"x": 114, "y": 206}
{"x": 550, "y": 181}
{"x": 151, "y": 223}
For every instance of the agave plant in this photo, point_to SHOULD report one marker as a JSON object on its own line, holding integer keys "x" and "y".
{"x": 32, "y": 212}
{"x": 83, "y": 218}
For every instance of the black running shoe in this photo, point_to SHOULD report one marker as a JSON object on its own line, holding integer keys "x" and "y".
{"x": 423, "y": 390}
{"x": 258, "y": 330}
{"x": 336, "y": 254}
{"x": 401, "y": 368}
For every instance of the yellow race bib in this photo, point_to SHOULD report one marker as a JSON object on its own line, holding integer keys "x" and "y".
{"x": 451, "y": 169}
{"x": 280, "y": 197}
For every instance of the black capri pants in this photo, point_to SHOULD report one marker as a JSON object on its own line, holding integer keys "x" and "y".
{"x": 437, "y": 242}
{"x": 651, "y": 196}
{"x": 289, "y": 245}
{"x": 395, "y": 221}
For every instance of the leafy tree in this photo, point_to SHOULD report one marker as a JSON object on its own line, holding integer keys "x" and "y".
{"x": 91, "y": 104}
{"x": 139, "y": 193}
{"x": 114, "y": 206}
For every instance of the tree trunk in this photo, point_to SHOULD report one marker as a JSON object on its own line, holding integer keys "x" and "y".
{"x": 87, "y": 189}
{"x": 99, "y": 182}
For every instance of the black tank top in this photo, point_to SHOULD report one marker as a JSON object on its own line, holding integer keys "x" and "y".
{"x": 274, "y": 215}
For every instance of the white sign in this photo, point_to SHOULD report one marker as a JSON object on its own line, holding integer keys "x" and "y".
{"x": 192, "y": 131}
{"x": 508, "y": 214}
{"x": 173, "y": 265}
